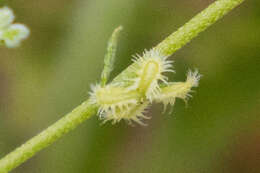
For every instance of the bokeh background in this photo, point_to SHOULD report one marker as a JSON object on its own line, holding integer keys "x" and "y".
{"x": 50, "y": 74}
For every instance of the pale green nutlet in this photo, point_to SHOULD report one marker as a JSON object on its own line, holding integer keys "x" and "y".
{"x": 149, "y": 70}
{"x": 111, "y": 98}
{"x": 181, "y": 90}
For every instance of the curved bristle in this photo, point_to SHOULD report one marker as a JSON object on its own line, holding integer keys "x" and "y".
{"x": 135, "y": 113}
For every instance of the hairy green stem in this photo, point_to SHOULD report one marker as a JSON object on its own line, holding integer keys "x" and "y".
{"x": 48, "y": 136}
{"x": 196, "y": 25}
{"x": 172, "y": 43}
{"x": 188, "y": 31}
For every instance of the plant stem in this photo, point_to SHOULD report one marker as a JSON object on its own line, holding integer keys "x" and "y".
{"x": 48, "y": 136}
{"x": 196, "y": 25}
{"x": 188, "y": 31}
{"x": 172, "y": 43}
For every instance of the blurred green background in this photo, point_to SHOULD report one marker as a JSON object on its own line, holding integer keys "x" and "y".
{"x": 50, "y": 74}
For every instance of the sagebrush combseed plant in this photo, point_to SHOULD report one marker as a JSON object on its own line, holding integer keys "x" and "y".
{"x": 127, "y": 96}
{"x": 128, "y": 103}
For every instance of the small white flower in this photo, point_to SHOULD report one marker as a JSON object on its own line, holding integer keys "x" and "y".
{"x": 14, "y": 34}
{"x": 6, "y": 17}
{"x": 11, "y": 34}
